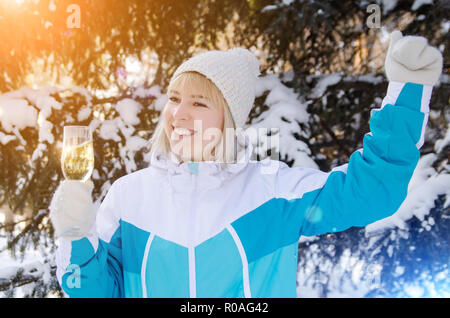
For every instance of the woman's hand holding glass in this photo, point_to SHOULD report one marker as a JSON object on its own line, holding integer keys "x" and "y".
{"x": 71, "y": 210}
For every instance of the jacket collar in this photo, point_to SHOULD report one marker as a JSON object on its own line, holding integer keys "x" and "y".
{"x": 206, "y": 168}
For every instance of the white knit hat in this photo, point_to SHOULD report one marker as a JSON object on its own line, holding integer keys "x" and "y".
{"x": 234, "y": 72}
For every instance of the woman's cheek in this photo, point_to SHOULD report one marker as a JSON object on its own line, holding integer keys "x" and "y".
{"x": 167, "y": 120}
{"x": 166, "y": 112}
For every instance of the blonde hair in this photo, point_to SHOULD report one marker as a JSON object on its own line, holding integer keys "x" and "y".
{"x": 224, "y": 151}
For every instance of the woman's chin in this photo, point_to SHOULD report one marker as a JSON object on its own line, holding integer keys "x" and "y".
{"x": 178, "y": 151}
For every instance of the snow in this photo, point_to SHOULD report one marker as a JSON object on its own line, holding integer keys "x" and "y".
{"x": 368, "y": 78}
{"x": 284, "y": 104}
{"x": 143, "y": 92}
{"x": 152, "y": 92}
{"x": 323, "y": 84}
{"x": 45, "y": 131}
{"x": 414, "y": 291}
{"x": 37, "y": 153}
{"x": 418, "y": 3}
{"x": 388, "y": 5}
{"x": 135, "y": 143}
{"x": 128, "y": 110}
{"x": 16, "y": 113}
{"x": 269, "y": 8}
{"x": 445, "y": 26}
{"x": 426, "y": 184}
{"x": 33, "y": 261}
{"x": 283, "y": 3}
{"x": 84, "y": 113}
{"x": 360, "y": 280}
{"x": 4, "y": 138}
{"x": 109, "y": 130}
{"x": 441, "y": 143}
{"x": 161, "y": 102}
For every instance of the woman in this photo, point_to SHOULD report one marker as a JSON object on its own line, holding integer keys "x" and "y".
{"x": 203, "y": 220}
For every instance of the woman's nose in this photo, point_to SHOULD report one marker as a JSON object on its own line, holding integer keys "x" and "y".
{"x": 181, "y": 111}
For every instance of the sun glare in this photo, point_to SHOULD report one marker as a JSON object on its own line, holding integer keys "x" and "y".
{"x": 12, "y": 2}
{"x": 18, "y": 2}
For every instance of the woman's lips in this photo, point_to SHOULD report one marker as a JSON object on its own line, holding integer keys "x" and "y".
{"x": 177, "y": 136}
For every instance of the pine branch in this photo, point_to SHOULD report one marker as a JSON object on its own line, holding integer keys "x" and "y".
{"x": 23, "y": 277}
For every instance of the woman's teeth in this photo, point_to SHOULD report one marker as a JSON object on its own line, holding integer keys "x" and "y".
{"x": 183, "y": 132}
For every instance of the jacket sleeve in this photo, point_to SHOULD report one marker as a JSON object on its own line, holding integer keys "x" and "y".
{"x": 92, "y": 266}
{"x": 375, "y": 181}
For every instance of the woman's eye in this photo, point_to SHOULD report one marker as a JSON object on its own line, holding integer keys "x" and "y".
{"x": 176, "y": 100}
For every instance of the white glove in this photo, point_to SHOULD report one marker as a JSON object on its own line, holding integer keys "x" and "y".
{"x": 411, "y": 59}
{"x": 71, "y": 211}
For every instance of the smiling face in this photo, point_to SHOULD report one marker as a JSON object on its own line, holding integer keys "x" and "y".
{"x": 193, "y": 119}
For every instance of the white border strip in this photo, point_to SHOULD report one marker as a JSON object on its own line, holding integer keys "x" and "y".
{"x": 62, "y": 257}
{"x": 144, "y": 265}
{"x": 394, "y": 89}
{"x": 419, "y": 144}
{"x": 245, "y": 274}
{"x": 192, "y": 279}
{"x": 424, "y": 108}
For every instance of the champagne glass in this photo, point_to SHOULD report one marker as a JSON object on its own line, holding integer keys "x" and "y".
{"x": 78, "y": 153}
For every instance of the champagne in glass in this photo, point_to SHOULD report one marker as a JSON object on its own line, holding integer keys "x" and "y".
{"x": 78, "y": 153}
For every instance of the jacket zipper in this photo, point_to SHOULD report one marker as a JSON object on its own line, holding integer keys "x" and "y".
{"x": 191, "y": 248}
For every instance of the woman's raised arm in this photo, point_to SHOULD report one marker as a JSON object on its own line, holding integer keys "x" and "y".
{"x": 374, "y": 183}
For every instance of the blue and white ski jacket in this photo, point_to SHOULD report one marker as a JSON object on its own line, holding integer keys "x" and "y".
{"x": 184, "y": 230}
